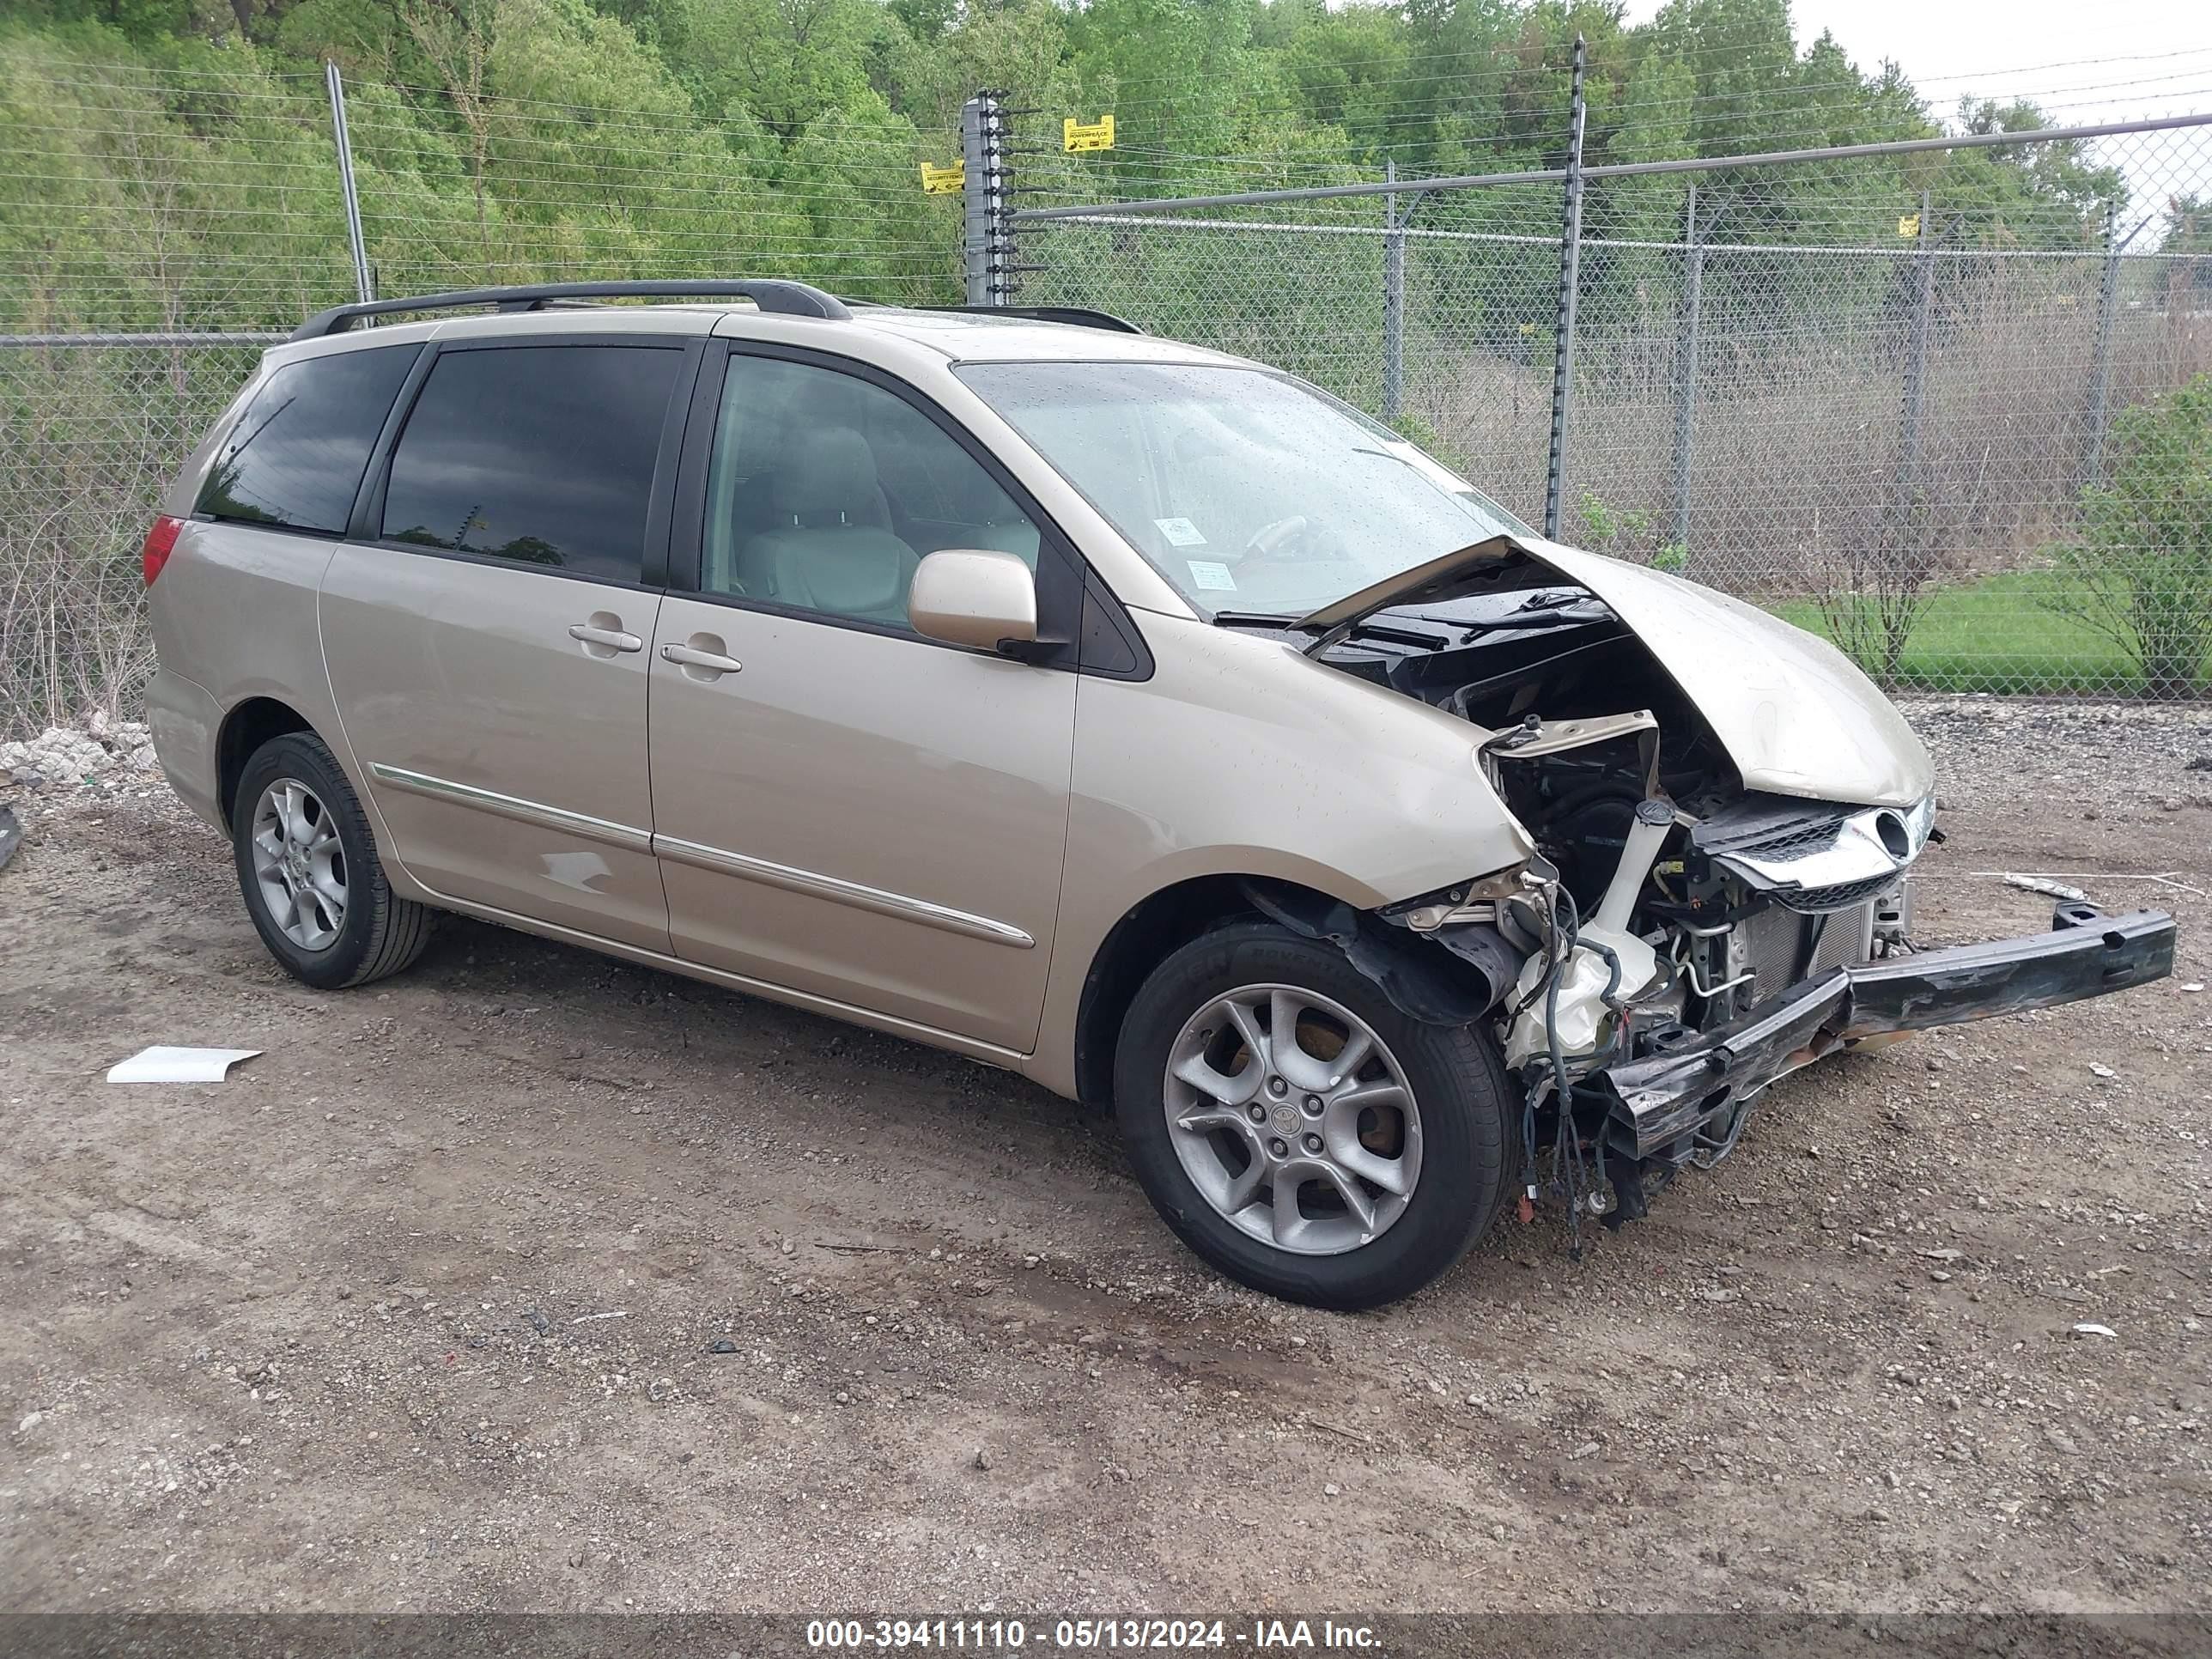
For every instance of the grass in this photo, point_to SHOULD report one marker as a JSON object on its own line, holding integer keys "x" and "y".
{"x": 2000, "y": 635}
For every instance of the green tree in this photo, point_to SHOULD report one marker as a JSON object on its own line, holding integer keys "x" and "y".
{"x": 2141, "y": 573}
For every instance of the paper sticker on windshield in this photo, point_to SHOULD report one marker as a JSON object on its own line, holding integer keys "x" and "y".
{"x": 1205, "y": 573}
{"x": 1179, "y": 532}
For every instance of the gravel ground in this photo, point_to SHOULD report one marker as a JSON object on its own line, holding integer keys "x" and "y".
{"x": 533, "y": 1280}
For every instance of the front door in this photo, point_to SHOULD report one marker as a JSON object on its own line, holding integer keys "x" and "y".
{"x": 487, "y": 649}
{"x": 842, "y": 807}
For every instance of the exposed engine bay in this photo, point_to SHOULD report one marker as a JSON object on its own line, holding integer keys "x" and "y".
{"x": 1722, "y": 814}
{"x": 1664, "y": 900}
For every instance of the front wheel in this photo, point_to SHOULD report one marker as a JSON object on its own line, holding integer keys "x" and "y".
{"x": 1298, "y": 1131}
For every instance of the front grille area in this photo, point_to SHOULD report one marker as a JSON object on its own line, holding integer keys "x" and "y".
{"x": 1816, "y": 901}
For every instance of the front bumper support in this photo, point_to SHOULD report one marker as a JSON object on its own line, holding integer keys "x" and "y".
{"x": 1661, "y": 1103}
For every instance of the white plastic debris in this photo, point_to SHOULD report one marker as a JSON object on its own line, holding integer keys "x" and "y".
{"x": 2087, "y": 1329}
{"x": 2057, "y": 890}
{"x": 2097, "y": 1068}
{"x": 2193, "y": 986}
{"x": 162, "y": 1064}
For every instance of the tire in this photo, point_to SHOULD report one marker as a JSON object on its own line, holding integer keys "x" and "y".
{"x": 330, "y": 947}
{"x": 1464, "y": 1137}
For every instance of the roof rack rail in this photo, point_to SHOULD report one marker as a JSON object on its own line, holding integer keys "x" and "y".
{"x": 1075, "y": 316}
{"x": 781, "y": 296}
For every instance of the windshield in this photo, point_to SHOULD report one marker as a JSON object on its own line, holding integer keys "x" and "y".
{"x": 1250, "y": 491}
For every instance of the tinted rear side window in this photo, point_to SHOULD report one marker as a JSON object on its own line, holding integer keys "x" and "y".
{"x": 542, "y": 455}
{"x": 297, "y": 453}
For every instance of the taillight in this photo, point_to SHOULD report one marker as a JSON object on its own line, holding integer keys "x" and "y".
{"x": 160, "y": 541}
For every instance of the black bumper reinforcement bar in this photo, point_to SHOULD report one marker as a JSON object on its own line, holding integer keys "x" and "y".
{"x": 1660, "y": 1102}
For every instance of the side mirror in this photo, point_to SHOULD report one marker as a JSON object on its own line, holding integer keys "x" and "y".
{"x": 968, "y": 596}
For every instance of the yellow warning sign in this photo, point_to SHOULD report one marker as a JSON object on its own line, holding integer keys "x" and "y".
{"x": 1908, "y": 224}
{"x": 944, "y": 181}
{"x": 1077, "y": 137}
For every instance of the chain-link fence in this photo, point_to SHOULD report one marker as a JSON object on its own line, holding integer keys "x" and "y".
{"x": 159, "y": 226}
{"x": 1867, "y": 390}
{"x": 1911, "y": 400}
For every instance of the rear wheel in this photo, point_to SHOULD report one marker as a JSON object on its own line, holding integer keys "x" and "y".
{"x": 1301, "y": 1133}
{"x": 308, "y": 870}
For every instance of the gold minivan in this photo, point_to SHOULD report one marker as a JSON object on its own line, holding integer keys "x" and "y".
{"x": 1107, "y": 710}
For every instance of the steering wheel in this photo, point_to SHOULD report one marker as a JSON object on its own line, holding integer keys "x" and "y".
{"x": 1269, "y": 540}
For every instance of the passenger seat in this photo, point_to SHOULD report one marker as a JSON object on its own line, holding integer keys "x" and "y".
{"x": 828, "y": 550}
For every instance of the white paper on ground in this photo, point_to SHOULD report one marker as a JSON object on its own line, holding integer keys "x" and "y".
{"x": 160, "y": 1064}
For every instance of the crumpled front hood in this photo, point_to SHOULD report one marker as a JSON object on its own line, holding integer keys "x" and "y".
{"x": 1795, "y": 715}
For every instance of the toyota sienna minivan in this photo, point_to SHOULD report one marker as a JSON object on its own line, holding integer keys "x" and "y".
{"x": 1113, "y": 711}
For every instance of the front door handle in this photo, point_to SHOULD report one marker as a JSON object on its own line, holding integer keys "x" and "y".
{"x": 603, "y": 635}
{"x": 698, "y": 662}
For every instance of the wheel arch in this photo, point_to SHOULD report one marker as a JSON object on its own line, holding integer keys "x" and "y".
{"x": 250, "y": 724}
{"x": 1421, "y": 978}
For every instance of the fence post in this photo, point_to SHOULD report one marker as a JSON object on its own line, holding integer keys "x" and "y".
{"x": 979, "y": 168}
{"x": 988, "y": 257}
{"x": 1685, "y": 363}
{"x": 335, "y": 87}
{"x": 1563, "y": 342}
{"x": 2100, "y": 384}
{"x": 1916, "y": 362}
{"x": 1393, "y": 300}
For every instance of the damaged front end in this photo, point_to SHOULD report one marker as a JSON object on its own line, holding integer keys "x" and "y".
{"x": 1726, "y": 814}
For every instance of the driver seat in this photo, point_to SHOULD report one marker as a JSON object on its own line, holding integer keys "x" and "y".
{"x": 828, "y": 550}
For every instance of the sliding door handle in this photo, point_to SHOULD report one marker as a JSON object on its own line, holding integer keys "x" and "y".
{"x": 605, "y": 638}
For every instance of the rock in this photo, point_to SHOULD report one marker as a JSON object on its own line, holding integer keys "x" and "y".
{"x": 1946, "y": 1256}
{"x": 1331, "y": 1490}
{"x": 2172, "y": 804}
{"x": 982, "y": 1458}
{"x": 537, "y": 1320}
{"x": 30, "y": 1420}
{"x": 2097, "y": 1068}
{"x": 721, "y": 1345}
{"x": 1588, "y": 1449}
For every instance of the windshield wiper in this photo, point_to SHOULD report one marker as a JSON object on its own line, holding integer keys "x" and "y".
{"x": 1359, "y": 630}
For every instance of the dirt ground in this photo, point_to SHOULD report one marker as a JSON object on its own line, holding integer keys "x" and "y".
{"x": 416, "y": 1311}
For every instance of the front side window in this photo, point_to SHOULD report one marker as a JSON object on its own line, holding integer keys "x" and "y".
{"x": 297, "y": 452}
{"x": 1248, "y": 490}
{"x": 540, "y": 454}
{"x": 826, "y": 491}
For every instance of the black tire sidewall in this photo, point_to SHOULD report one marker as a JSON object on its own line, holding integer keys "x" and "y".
{"x": 1469, "y": 1131}
{"x": 303, "y": 756}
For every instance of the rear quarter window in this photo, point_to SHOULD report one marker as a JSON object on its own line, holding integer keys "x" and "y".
{"x": 297, "y": 453}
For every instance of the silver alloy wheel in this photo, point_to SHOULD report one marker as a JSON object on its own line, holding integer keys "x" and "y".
{"x": 1293, "y": 1118}
{"x": 299, "y": 864}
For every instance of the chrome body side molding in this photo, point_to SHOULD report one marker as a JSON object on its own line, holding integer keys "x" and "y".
{"x": 580, "y": 824}
{"x": 838, "y": 890}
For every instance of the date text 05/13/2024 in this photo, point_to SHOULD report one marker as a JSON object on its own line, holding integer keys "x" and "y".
{"x": 1126, "y": 1634}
